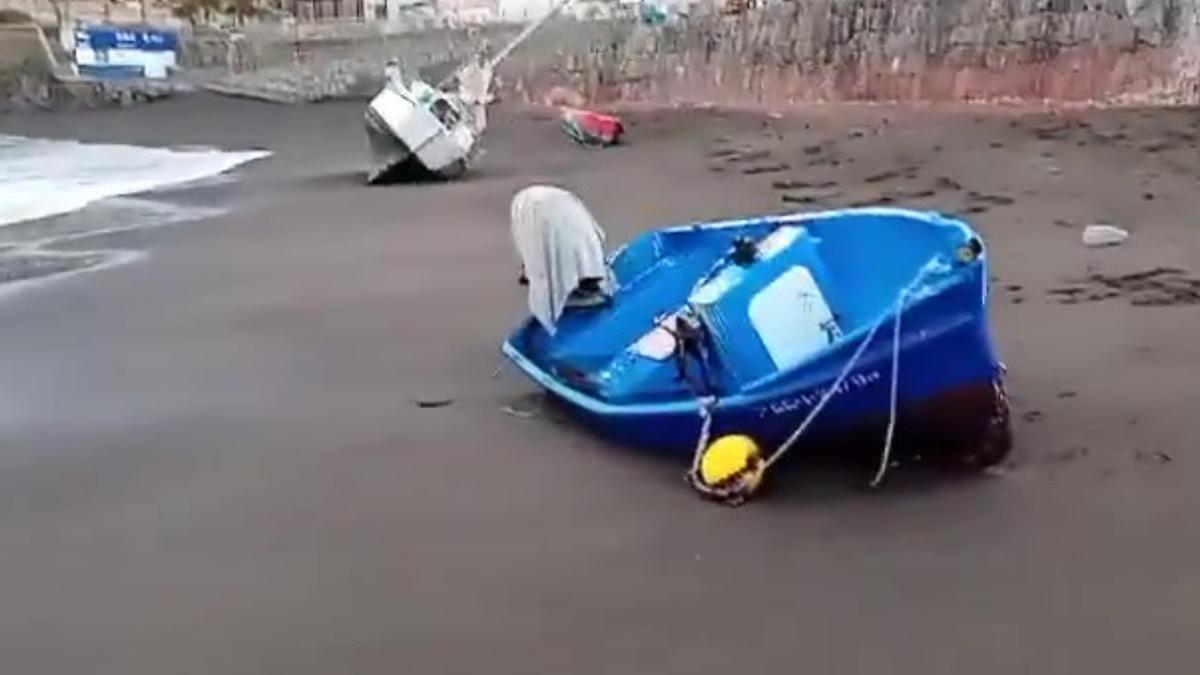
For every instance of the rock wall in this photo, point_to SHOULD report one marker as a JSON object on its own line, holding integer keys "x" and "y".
{"x": 936, "y": 50}
{"x": 345, "y": 66}
{"x": 815, "y": 50}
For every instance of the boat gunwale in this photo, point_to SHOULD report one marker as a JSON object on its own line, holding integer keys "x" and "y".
{"x": 761, "y": 391}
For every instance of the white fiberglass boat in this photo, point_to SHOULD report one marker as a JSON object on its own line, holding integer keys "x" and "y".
{"x": 418, "y": 123}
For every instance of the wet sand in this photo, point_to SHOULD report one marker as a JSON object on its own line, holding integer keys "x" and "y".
{"x": 211, "y": 460}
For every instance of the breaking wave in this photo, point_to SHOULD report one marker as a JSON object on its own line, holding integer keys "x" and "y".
{"x": 57, "y": 195}
{"x": 41, "y": 178}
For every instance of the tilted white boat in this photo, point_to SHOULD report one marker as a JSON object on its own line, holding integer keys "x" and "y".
{"x": 436, "y": 129}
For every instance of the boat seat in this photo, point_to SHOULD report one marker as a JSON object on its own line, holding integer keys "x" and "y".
{"x": 774, "y": 313}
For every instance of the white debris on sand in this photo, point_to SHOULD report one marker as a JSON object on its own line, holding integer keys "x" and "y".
{"x": 1104, "y": 235}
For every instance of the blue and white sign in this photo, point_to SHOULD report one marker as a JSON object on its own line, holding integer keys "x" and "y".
{"x": 107, "y": 50}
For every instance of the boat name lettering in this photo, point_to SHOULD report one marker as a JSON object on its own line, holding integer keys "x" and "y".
{"x": 811, "y": 398}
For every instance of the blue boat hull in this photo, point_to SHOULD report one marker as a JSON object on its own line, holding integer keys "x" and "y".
{"x": 945, "y": 349}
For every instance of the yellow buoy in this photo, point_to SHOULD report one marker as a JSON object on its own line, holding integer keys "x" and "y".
{"x": 730, "y": 469}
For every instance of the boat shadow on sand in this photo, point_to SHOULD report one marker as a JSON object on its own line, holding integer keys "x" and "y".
{"x": 820, "y": 469}
{"x": 409, "y": 173}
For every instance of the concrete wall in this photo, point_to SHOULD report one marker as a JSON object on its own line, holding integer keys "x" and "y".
{"x": 24, "y": 48}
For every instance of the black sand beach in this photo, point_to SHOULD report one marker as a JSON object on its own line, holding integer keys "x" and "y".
{"x": 212, "y": 462}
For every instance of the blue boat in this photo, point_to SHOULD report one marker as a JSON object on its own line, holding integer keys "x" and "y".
{"x": 760, "y": 320}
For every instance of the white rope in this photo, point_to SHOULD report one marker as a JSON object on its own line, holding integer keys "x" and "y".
{"x": 706, "y": 413}
{"x": 828, "y": 395}
{"x": 885, "y": 457}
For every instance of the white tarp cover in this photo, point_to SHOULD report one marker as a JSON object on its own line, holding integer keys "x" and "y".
{"x": 559, "y": 243}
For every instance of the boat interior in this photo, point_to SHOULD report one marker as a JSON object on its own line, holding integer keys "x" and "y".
{"x": 712, "y": 309}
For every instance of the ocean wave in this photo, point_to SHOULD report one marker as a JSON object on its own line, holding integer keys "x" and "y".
{"x": 40, "y": 178}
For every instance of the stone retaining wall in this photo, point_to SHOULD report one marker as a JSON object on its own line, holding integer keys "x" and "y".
{"x": 817, "y": 50}
{"x": 938, "y": 50}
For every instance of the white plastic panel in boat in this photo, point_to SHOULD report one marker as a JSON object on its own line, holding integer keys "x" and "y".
{"x": 715, "y": 288}
{"x": 731, "y": 275}
{"x": 658, "y": 344}
{"x": 792, "y": 318}
{"x": 778, "y": 240}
